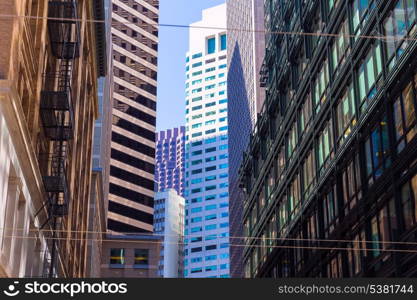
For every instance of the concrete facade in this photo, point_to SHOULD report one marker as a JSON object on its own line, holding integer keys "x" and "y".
{"x": 134, "y": 256}
{"x": 207, "y": 198}
{"x": 169, "y": 224}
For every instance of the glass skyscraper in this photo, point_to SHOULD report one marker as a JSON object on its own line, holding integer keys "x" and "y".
{"x": 207, "y": 219}
{"x": 170, "y": 155}
{"x": 132, "y": 164}
{"x": 246, "y": 49}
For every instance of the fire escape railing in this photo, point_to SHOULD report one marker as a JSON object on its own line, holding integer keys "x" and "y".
{"x": 56, "y": 112}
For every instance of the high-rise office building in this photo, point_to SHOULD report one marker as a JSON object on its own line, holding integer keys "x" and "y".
{"x": 169, "y": 225}
{"x": 207, "y": 221}
{"x": 330, "y": 173}
{"x": 170, "y": 156}
{"x": 246, "y": 48}
{"x": 135, "y": 45}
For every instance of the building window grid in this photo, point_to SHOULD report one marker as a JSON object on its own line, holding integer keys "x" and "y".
{"x": 378, "y": 73}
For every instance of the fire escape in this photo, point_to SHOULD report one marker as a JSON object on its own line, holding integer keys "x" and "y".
{"x": 56, "y": 111}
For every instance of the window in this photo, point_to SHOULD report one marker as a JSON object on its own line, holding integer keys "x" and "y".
{"x": 211, "y": 217}
{"x": 198, "y": 55}
{"x": 399, "y": 23}
{"x": 330, "y": 211}
{"x": 211, "y": 45}
{"x": 196, "y": 270}
{"x": 294, "y": 199}
{"x": 223, "y": 42}
{"x": 345, "y": 115}
{"x": 405, "y": 117}
{"x": 308, "y": 174}
{"x": 211, "y": 257}
{"x": 196, "y": 259}
{"x": 351, "y": 184}
{"x": 199, "y": 64}
{"x": 324, "y": 148}
{"x": 360, "y": 11}
{"x": 377, "y": 151}
{"x": 211, "y": 207}
{"x": 340, "y": 48}
{"x": 211, "y": 227}
{"x": 292, "y": 141}
{"x": 320, "y": 86}
{"x": 196, "y": 219}
{"x": 409, "y": 204}
{"x": 117, "y": 256}
{"x": 141, "y": 257}
{"x": 368, "y": 76}
{"x": 306, "y": 115}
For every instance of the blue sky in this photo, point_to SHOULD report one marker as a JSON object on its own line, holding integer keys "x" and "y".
{"x": 173, "y": 44}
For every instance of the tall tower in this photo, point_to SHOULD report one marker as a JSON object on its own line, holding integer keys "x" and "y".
{"x": 207, "y": 220}
{"x": 246, "y": 48}
{"x": 135, "y": 45}
{"x": 170, "y": 155}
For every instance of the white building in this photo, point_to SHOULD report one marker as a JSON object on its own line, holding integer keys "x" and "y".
{"x": 169, "y": 223}
{"x": 207, "y": 212}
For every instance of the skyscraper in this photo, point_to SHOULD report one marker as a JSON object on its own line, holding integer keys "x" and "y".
{"x": 207, "y": 221}
{"x": 330, "y": 172}
{"x": 170, "y": 164}
{"x": 135, "y": 45}
{"x": 169, "y": 225}
{"x": 246, "y": 48}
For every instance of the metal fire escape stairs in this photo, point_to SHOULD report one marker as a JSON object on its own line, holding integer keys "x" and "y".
{"x": 56, "y": 111}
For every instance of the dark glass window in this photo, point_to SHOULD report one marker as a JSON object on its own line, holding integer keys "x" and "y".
{"x": 324, "y": 148}
{"x": 368, "y": 75}
{"x": 309, "y": 174}
{"x": 405, "y": 117}
{"x": 142, "y": 257}
{"x": 345, "y": 115}
{"x": 320, "y": 85}
{"x": 399, "y": 23}
{"x": 330, "y": 211}
{"x": 378, "y": 157}
{"x": 340, "y": 48}
{"x": 294, "y": 199}
{"x": 351, "y": 184}
{"x": 117, "y": 256}
{"x": 408, "y": 203}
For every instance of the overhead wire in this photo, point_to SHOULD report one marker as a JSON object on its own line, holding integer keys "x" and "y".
{"x": 130, "y": 234}
{"x": 324, "y": 34}
{"x": 127, "y": 241}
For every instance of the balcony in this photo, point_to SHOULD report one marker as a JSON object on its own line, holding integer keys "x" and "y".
{"x": 56, "y": 115}
{"x": 56, "y": 186}
{"x": 63, "y": 29}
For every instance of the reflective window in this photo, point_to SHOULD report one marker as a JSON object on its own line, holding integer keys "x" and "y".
{"x": 345, "y": 115}
{"x": 405, "y": 117}
{"x": 377, "y": 151}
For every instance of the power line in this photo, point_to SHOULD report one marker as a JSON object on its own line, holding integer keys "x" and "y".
{"x": 230, "y": 245}
{"x": 301, "y": 33}
{"x": 217, "y": 237}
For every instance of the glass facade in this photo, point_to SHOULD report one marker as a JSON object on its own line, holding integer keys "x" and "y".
{"x": 339, "y": 164}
